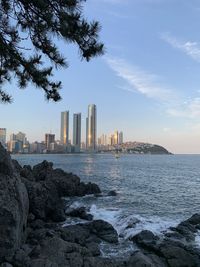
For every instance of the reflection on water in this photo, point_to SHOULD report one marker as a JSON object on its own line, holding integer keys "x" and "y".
{"x": 164, "y": 186}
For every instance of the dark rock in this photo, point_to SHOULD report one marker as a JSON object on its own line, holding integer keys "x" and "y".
{"x": 104, "y": 230}
{"x": 139, "y": 259}
{"x": 177, "y": 256}
{"x": 93, "y": 248}
{"x": 194, "y": 220}
{"x": 6, "y": 264}
{"x": 42, "y": 263}
{"x": 112, "y": 193}
{"x": 79, "y": 212}
{"x": 14, "y": 204}
{"x": 146, "y": 239}
{"x": 16, "y": 165}
{"x": 75, "y": 234}
{"x": 132, "y": 222}
{"x": 42, "y": 170}
{"x": 6, "y": 166}
{"x": 27, "y": 173}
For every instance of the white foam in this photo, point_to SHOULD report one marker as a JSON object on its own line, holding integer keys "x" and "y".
{"x": 197, "y": 239}
{"x": 109, "y": 215}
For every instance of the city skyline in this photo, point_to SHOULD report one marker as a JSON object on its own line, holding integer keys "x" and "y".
{"x": 146, "y": 84}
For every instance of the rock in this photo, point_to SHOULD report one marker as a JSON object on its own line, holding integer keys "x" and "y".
{"x": 75, "y": 233}
{"x": 6, "y": 166}
{"x": 42, "y": 170}
{"x": 177, "y": 256}
{"x": 16, "y": 165}
{"x": 132, "y": 222}
{"x": 146, "y": 239}
{"x": 42, "y": 263}
{"x": 112, "y": 193}
{"x": 139, "y": 259}
{"x": 194, "y": 220}
{"x": 103, "y": 230}
{"x": 45, "y": 202}
{"x": 6, "y": 264}
{"x": 79, "y": 212}
{"x": 14, "y": 205}
{"x": 27, "y": 173}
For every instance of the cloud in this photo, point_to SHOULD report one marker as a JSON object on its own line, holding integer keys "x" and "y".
{"x": 139, "y": 80}
{"x": 191, "y": 49}
{"x": 188, "y": 109}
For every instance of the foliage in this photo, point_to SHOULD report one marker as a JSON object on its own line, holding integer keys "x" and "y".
{"x": 29, "y": 30}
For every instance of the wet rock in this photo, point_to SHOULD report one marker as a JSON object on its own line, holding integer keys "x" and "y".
{"x": 14, "y": 204}
{"x": 132, "y": 223}
{"x": 139, "y": 259}
{"x": 146, "y": 239}
{"x": 112, "y": 193}
{"x": 177, "y": 255}
{"x": 103, "y": 230}
{"x": 79, "y": 212}
{"x": 194, "y": 220}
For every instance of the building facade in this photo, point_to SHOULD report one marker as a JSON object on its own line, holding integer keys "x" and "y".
{"x": 64, "y": 130}
{"x": 49, "y": 139}
{"x": 77, "y": 132}
{"x": 3, "y": 136}
{"x": 91, "y": 125}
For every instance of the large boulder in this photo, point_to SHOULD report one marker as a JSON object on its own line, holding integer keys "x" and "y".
{"x": 146, "y": 239}
{"x": 103, "y": 230}
{"x": 14, "y": 205}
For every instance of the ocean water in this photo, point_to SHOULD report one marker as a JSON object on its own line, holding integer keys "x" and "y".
{"x": 154, "y": 192}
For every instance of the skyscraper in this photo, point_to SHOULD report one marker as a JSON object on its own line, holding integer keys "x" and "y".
{"x": 91, "y": 128}
{"x": 3, "y": 136}
{"x": 64, "y": 131}
{"x": 77, "y": 131}
{"x": 121, "y": 138}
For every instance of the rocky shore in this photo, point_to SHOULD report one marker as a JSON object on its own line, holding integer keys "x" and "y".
{"x": 32, "y": 233}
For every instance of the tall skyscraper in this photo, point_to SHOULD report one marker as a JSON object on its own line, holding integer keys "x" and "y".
{"x": 116, "y": 138}
{"x": 64, "y": 131}
{"x": 3, "y": 136}
{"x": 121, "y": 138}
{"x": 91, "y": 126}
{"x": 77, "y": 132}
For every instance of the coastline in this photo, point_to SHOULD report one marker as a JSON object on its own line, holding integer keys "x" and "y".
{"x": 41, "y": 239}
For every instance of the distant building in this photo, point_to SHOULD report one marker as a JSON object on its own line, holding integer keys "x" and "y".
{"x": 116, "y": 138}
{"x": 49, "y": 139}
{"x": 3, "y": 136}
{"x": 91, "y": 125}
{"x": 64, "y": 130}
{"x": 77, "y": 132}
{"x": 18, "y": 143}
{"x": 121, "y": 137}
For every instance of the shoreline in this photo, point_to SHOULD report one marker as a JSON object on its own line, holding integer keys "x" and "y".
{"x": 32, "y": 210}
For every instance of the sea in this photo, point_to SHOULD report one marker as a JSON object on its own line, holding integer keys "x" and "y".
{"x": 154, "y": 192}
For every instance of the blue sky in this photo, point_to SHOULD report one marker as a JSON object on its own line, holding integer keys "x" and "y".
{"x": 147, "y": 84}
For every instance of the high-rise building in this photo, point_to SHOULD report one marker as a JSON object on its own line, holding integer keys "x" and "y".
{"x": 77, "y": 132}
{"x": 116, "y": 138}
{"x": 64, "y": 131}
{"x": 3, "y": 136}
{"x": 121, "y": 138}
{"x": 91, "y": 125}
{"x": 21, "y": 137}
{"x": 49, "y": 139}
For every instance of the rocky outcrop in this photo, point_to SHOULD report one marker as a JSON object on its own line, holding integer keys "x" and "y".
{"x": 175, "y": 249}
{"x": 14, "y": 204}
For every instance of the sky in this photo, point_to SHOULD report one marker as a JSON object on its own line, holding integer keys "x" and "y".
{"x": 147, "y": 84}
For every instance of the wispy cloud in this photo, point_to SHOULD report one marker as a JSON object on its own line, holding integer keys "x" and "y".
{"x": 148, "y": 84}
{"x": 187, "y": 109}
{"x": 191, "y": 49}
{"x": 139, "y": 80}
